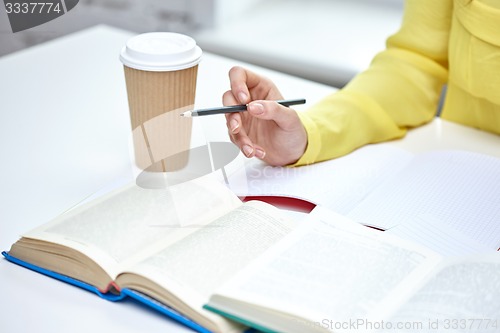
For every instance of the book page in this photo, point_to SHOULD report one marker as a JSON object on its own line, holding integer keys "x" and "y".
{"x": 457, "y": 188}
{"x": 339, "y": 184}
{"x": 462, "y": 296}
{"x": 329, "y": 269}
{"x": 439, "y": 237}
{"x": 130, "y": 222}
{"x": 204, "y": 260}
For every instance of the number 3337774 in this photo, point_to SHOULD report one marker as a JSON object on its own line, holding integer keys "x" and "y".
{"x": 32, "y": 7}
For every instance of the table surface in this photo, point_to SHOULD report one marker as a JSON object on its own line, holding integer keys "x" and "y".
{"x": 65, "y": 134}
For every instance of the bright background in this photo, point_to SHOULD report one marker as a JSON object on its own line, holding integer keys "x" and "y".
{"x": 328, "y": 41}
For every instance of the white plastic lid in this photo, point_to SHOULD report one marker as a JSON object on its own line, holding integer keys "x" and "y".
{"x": 160, "y": 51}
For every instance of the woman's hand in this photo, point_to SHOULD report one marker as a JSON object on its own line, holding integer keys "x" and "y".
{"x": 268, "y": 130}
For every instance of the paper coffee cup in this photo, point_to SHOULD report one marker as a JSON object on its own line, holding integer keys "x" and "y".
{"x": 160, "y": 74}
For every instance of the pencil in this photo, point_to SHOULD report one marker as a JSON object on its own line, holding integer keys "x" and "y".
{"x": 235, "y": 108}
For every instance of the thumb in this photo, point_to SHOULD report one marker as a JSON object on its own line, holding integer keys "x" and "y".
{"x": 272, "y": 110}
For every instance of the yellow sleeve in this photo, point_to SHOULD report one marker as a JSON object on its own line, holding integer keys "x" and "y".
{"x": 399, "y": 90}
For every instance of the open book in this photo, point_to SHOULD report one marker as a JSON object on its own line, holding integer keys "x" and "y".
{"x": 435, "y": 197}
{"x": 170, "y": 247}
{"x": 333, "y": 275}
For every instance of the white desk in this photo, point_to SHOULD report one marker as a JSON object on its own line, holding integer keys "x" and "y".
{"x": 64, "y": 134}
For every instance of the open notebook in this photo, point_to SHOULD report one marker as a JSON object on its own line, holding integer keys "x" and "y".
{"x": 436, "y": 197}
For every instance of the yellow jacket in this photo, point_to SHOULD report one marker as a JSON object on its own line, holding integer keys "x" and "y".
{"x": 453, "y": 42}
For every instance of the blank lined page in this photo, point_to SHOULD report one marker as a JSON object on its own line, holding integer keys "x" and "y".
{"x": 439, "y": 237}
{"x": 457, "y": 188}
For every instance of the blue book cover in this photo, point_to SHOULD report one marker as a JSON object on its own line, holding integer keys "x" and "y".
{"x": 137, "y": 296}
